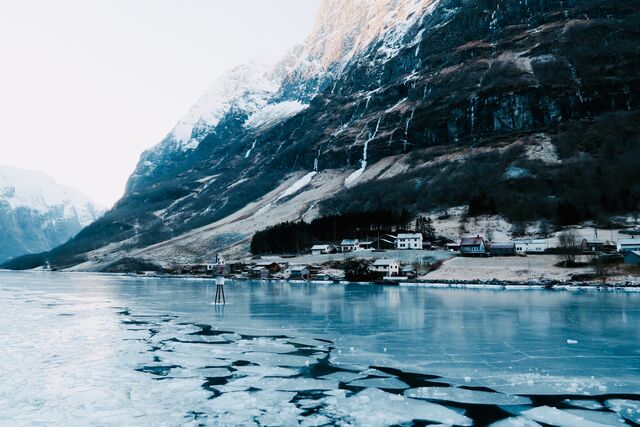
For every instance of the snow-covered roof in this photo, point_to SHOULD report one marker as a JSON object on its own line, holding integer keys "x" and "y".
{"x": 384, "y": 262}
{"x": 299, "y": 268}
{"x": 410, "y": 236}
{"x": 320, "y": 247}
{"x": 350, "y": 242}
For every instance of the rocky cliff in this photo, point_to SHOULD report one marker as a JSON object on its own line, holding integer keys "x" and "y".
{"x": 407, "y": 103}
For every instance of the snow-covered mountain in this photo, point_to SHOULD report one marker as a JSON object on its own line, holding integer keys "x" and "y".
{"x": 37, "y": 213}
{"x": 414, "y": 104}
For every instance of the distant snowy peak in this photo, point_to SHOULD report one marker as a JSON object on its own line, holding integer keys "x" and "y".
{"x": 34, "y": 190}
{"x": 246, "y": 88}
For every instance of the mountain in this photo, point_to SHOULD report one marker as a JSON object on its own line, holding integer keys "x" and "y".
{"x": 38, "y": 214}
{"x": 529, "y": 109}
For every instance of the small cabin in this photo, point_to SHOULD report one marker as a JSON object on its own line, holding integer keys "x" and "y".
{"x": 300, "y": 272}
{"x": 388, "y": 267}
{"x": 409, "y": 241}
{"x": 349, "y": 245}
{"x": 272, "y": 266}
{"x": 473, "y": 246}
{"x": 322, "y": 249}
{"x": 591, "y": 245}
{"x": 367, "y": 246}
{"x": 502, "y": 249}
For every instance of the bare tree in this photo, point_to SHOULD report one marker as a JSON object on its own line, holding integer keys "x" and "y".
{"x": 600, "y": 266}
{"x": 569, "y": 248}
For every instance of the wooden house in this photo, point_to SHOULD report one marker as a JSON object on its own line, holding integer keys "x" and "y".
{"x": 531, "y": 246}
{"x": 628, "y": 245}
{"x": 300, "y": 272}
{"x": 322, "y": 249}
{"x": 388, "y": 267}
{"x": 474, "y": 246}
{"x": 349, "y": 245}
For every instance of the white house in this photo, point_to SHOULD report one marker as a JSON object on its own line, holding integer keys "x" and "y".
{"x": 409, "y": 241}
{"x": 322, "y": 249}
{"x": 628, "y": 245}
{"x": 389, "y": 267}
{"x": 526, "y": 246}
{"x": 350, "y": 245}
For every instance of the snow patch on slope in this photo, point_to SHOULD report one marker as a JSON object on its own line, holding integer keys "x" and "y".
{"x": 274, "y": 114}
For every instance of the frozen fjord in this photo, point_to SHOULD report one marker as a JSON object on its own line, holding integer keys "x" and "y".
{"x": 113, "y": 350}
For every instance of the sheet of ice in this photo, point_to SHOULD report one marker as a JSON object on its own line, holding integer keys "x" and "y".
{"x": 460, "y": 395}
{"x": 515, "y": 422}
{"x": 273, "y": 114}
{"x": 606, "y": 418}
{"x": 558, "y": 418}
{"x": 390, "y": 383}
{"x": 252, "y": 408}
{"x": 374, "y": 407}
{"x": 297, "y": 186}
{"x": 584, "y": 404}
{"x": 284, "y": 384}
{"x": 629, "y": 409}
{"x": 343, "y": 376}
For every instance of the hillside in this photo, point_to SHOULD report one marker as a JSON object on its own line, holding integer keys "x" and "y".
{"x": 531, "y": 108}
{"x": 37, "y": 214}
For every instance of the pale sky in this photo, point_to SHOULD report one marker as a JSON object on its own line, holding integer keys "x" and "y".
{"x": 87, "y": 85}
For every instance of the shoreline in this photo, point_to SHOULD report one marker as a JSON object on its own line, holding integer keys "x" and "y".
{"x": 629, "y": 286}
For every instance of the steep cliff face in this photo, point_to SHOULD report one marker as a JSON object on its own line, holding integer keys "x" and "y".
{"x": 37, "y": 214}
{"x": 404, "y": 103}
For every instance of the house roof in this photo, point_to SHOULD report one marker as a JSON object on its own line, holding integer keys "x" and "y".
{"x": 299, "y": 268}
{"x": 410, "y": 236}
{"x": 636, "y": 253}
{"x": 503, "y": 245}
{"x": 384, "y": 262}
{"x": 320, "y": 247}
{"x": 349, "y": 242}
{"x": 629, "y": 242}
{"x": 472, "y": 241}
{"x": 531, "y": 241}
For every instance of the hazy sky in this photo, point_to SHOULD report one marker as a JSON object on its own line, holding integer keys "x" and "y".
{"x": 87, "y": 85}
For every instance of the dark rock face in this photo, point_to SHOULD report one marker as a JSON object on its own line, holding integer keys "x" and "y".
{"x": 462, "y": 95}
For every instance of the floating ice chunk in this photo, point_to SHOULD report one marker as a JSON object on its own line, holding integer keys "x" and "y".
{"x": 584, "y": 404}
{"x": 387, "y": 382}
{"x": 374, "y": 407}
{"x": 515, "y": 422}
{"x": 249, "y": 408}
{"x": 460, "y": 395}
{"x": 343, "y": 376}
{"x": 551, "y": 384}
{"x": 275, "y": 359}
{"x": 375, "y": 372}
{"x": 284, "y": 384}
{"x": 572, "y": 342}
{"x": 556, "y": 417}
{"x": 267, "y": 371}
{"x": 629, "y": 409}
{"x": 606, "y": 418}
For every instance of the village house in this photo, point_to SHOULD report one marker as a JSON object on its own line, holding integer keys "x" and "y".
{"x": 503, "y": 249}
{"x": 349, "y": 245}
{"x": 409, "y": 241}
{"x": 591, "y": 245}
{"x": 632, "y": 258}
{"x": 300, "y": 272}
{"x": 628, "y": 245}
{"x": 388, "y": 267}
{"x": 531, "y": 246}
{"x": 323, "y": 249}
{"x": 272, "y": 266}
{"x": 474, "y": 246}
